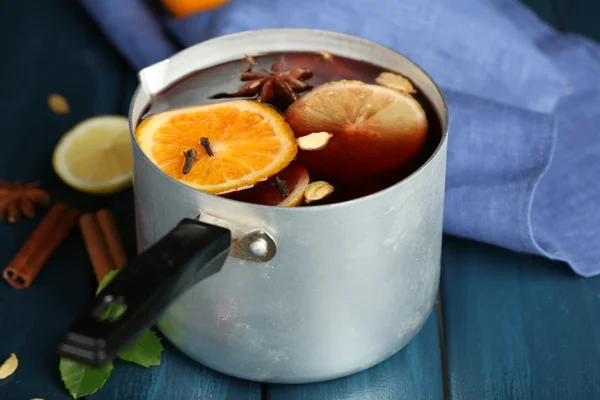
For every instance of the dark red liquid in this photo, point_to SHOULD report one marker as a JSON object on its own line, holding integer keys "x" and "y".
{"x": 201, "y": 88}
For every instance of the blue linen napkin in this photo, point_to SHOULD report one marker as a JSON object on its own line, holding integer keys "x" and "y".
{"x": 524, "y": 147}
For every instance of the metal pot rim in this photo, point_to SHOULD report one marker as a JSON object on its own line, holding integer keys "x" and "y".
{"x": 299, "y": 31}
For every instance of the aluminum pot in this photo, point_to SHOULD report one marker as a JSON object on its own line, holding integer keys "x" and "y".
{"x": 273, "y": 294}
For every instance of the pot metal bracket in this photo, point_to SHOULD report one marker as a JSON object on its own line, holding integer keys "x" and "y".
{"x": 248, "y": 244}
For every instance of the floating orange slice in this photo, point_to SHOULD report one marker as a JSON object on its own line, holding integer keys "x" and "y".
{"x": 374, "y": 128}
{"x": 249, "y": 142}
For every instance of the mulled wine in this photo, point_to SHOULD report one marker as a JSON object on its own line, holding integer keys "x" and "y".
{"x": 291, "y": 129}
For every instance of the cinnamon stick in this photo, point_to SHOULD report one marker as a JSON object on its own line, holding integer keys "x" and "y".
{"x": 111, "y": 235}
{"x": 102, "y": 242}
{"x": 41, "y": 244}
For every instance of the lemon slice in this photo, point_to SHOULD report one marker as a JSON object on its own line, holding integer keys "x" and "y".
{"x": 95, "y": 155}
{"x": 372, "y": 129}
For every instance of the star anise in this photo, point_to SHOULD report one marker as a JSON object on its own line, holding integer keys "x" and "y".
{"x": 274, "y": 82}
{"x": 17, "y": 200}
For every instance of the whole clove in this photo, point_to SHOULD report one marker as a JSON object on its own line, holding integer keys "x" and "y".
{"x": 191, "y": 156}
{"x": 281, "y": 186}
{"x": 206, "y": 145}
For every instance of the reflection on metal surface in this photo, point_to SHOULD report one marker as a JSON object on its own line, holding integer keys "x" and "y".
{"x": 248, "y": 243}
{"x": 256, "y": 246}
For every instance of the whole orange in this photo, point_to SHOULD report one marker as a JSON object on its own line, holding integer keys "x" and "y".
{"x": 183, "y": 8}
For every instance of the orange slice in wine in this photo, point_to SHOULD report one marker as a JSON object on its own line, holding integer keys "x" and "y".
{"x": 375, "y": 128}
{"x": 234, "y": 144}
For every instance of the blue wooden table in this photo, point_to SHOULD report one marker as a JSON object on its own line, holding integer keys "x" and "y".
{"x": 506, "y": 326}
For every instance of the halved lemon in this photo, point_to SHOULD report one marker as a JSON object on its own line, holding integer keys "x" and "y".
{"x": 375, "y": 129}
{"x": 95, "y": 155}
{"x": 235, "y": 144}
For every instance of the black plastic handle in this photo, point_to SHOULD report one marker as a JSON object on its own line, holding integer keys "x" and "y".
{"x": 192, "y": 251}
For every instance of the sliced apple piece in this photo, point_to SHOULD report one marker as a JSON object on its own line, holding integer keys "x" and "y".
{"x": 284, "y": 189}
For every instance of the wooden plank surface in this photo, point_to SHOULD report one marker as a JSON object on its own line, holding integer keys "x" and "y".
{"x": 177, "y": 378}
{"x": 518, "y": 326}
{"x": 412, "y": 373}
{"x": 50, "y": 51}
{"x": 54, "y": 47}
{"x": 580, "y": 16}
{"x": 543, "y": 8}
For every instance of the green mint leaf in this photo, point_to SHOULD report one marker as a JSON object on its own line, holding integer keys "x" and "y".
{"x": 145, "y": 352}
{"x": 82, "y": 380}
{"x": 106, "y": 280}
{"x": 114, "y": 311}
